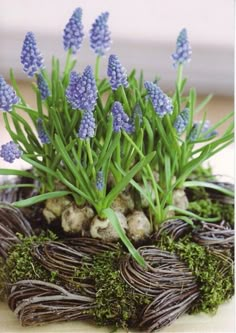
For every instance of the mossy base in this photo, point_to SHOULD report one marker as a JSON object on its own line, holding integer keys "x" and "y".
{"x": 116, "y": 303}
{"x": 212, "y": 268}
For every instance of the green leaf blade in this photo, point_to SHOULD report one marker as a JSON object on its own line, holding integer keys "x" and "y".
{"x": 110, "y": 214}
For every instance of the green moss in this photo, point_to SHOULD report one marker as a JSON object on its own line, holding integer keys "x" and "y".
{"x": 203, "y": 173}
{"x": 20, "y": 264}
{"x": 205, "y": 208}
{"x": 227, "y": 213}
{"x": 116, "y": 303}
{"x": 213, "y": 271}
{"x": 199, "y": 193}
{"x": 212, "y": 208}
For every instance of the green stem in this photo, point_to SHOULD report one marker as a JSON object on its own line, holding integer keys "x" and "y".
{"x": 179, "y": 76}
{"x": 125, "y": 100}
{"x": 114, "y": 172}
{"x": 68, "y": 56}
{"x": 48, "y": 159}
{"x": 118, "y": 160}
{"x": 159, "y": 213}
{"x": 172, "y": 131}
{"x": 97, "y": 68}
{"x": 90, "y": 157}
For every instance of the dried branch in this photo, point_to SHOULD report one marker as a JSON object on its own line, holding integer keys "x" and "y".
{"x": 11, "y": 222}
{"x": 166, "y": 308}
{"x": 214, "y": 235}
{"x": 165, "y": 272}
{"x": 37, "y": 302}
{"x": 173, "y": 228}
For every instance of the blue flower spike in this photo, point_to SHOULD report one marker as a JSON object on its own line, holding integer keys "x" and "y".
{"x": 87, "y": 126}
{"x": 205, "y": 128}
{"x": 82, "y": 91}
{"x": 183, "y": 51}
{"x": 100, "y": 36}
{"x": 31, "y": 57}
{"x": 117, "y": 73}
{"x": 72, "y": 90}
{"x": 8, "y": 96}
{"x": 43, "y": 137}
{"x": 10, "y": 152}
{"x": 121, "y": 119}
{"x": 199, "y": 130}
{"x": 162, "y": 104}
{"x": 182, "y": 121}
{"x": 74, "y": 32}
{"x": 100, "y": 181}
{"x": 43, "y": 87}
{"x": 87, "y": 90}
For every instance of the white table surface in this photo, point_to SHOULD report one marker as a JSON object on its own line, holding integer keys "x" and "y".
{"x": 223, "y": 321}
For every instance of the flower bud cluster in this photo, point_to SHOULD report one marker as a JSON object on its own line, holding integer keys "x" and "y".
{"x": 10, "y": 152}
{"x": 162, "y": 104}
{"x": 8, "y": 96}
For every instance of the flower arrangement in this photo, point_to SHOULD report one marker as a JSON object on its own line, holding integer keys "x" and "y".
{"x": 112, "y": 159}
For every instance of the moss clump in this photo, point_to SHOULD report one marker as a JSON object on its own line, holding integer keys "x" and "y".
{"x": 21, "y": 265}
{"x": 116, "y": 303}
{"x": 214, "y": 272}
{"x": 227, "y": 213}
{"x": 202, "y": 173}
{"x": 212, "y": 208}
{"x": 198, "y": 193}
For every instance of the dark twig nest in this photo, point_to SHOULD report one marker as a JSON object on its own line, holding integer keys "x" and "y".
{"x": 37, "y": 302}
{"x": 174, "y": 228}
{"x": 167, "y": 281}
{"x": 12, "y": 222}
{"x": 214, "y": 235}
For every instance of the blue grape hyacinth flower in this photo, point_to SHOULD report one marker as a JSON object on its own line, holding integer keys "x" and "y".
{"x": 100, "y": 181}
{"x": 82, "y": 90}
{"x": 201, "y": 131}
{"x": 74, "y": 32}
{"x": 182, "y": 121}
{"x": 43, "y": 137}
{"x": 121, "y": 119}
{"x": 10, "y": 151}
{"x": 162, "y": 104}
{"x": 100, "y": 36}
{"x": 117, "y": 73}
{"x": 31, "y": 57}
{"x": 87, "y": 126}
{"x": 8, "y": 96}
{"x": 72, "y": 90}
{"x": 183, "y": 49}
{"x": 87, "y": 96}
{"x": 43, "y": 87}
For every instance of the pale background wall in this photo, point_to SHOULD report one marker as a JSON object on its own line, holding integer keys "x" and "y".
{"x": 144, "y": 35}
{"x": 143, "y": 32}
